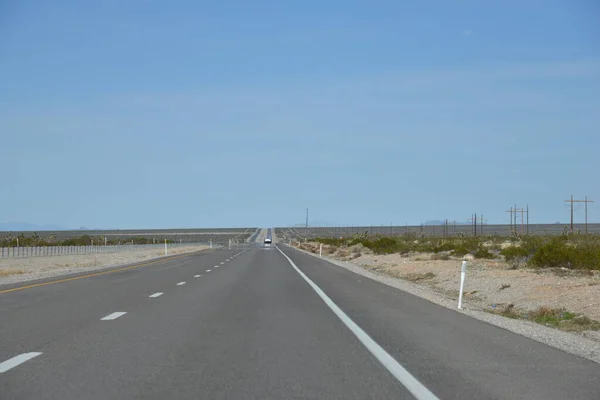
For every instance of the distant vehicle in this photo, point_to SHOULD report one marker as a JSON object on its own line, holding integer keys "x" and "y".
{"x": 268, "y": 240}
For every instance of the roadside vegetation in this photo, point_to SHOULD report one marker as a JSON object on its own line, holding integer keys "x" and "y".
{"x": 574, "y": 256}
{"x": 4, "y": 272}
{"x": 34, "y": 240}
{"x": 553, "y": 317}
{"x": 569, "y": 251}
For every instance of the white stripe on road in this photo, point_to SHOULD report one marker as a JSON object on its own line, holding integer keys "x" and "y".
{"x": 18, "y": 360}
{"x": 181, "y": 283}
{"x": 208, "y": 270}
{"x": 114, "y": 315}
{"x": 156, "y": 294}
{"x": 410, "y": 382}
{"x": 222, "y": 263}
{"x": 197, "y": 276}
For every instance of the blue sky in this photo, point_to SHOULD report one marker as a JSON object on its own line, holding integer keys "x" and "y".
{"x": 158, "y": 114}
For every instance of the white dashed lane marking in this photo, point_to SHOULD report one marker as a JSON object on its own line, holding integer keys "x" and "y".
{"x": 158, "y": 294}
{"x": 114, "y": 315}
{"x": 208, "y": 270}
{"x": 181, "y": 283}
{"x": 197, "y": 276}
{"x": 16, "y": 361}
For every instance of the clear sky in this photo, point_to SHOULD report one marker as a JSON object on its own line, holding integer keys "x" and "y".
{"x": 155, "y": 113}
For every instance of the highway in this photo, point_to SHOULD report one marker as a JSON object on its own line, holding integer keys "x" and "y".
{"x": 257, "y": 322}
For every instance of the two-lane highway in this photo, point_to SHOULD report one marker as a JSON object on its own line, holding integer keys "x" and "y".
{"x": 251, "y": 323}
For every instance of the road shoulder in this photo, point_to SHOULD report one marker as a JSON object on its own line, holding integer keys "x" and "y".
{"x": 565, "y": 341}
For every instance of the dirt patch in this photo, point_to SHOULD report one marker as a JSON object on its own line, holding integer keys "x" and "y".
{"x": 14, "y": 270}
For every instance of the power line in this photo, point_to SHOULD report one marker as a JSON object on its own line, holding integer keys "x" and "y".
{"x": 514, "y": 212}
{"x": 585, "y": 201}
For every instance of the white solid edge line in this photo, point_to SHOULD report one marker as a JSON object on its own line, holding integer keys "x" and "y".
{"x": 410, "y": 382}
{"x": 112, "y": 316}
{"x": 17, "y": 360}
{"x": 181, "y": 283}
{"x": 158, "y": 294}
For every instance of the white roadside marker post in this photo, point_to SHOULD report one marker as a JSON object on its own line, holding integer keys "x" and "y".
{"x": 463, "y": 273}
{"x": 321, "y": 250}
{"x": 166, "y": 251}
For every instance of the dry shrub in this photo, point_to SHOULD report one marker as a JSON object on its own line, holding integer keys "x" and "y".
{"x": 342, "y": 253}
{"x": 9, "y": 272}
{"x": 419, "y": 277}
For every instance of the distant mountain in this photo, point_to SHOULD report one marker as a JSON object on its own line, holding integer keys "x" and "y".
{"x": 441, "y": 222}
{"x": 27, "y": 226}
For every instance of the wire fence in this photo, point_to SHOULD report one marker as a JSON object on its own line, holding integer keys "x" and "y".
{"x": 45, "y": 251}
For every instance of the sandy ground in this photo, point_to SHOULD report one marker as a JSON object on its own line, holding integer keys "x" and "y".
{"x": 527, "y": 289}
{"x": 24, "y": 269}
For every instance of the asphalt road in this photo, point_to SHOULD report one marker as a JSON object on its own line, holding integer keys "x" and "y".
{"x": 246, "y": 324}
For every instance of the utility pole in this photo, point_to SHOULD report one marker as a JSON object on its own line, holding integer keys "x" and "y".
{"x": 586, "y": 213}
{"x": 306, "y": 227}
{"x": 481, "y": 220}
{"x": 522, "y": 211}
{"x": 585, "y": 201}
{"x": 511, "y": 218}
{"x": 473, "y": 221}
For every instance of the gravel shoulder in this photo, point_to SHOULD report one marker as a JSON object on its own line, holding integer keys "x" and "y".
{"x": 15, "y": 270}
{"x": 488, "y": 278}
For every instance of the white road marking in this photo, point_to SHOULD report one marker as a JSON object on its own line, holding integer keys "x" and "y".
{"x": 208, "y": 270}
{"x": 222, "y": 263}
{"x": 400, "y": 373}
{"x": 181, "y": 283}
{"x": 15, "y": 361}
{"x": 197, "y": 276}
{"x": 158, "y": 294}
{"x": 114, "y": 315}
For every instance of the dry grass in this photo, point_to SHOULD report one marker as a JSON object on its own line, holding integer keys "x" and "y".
{"x": 554, "y": 317}
{"x": 9, "y": 272}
